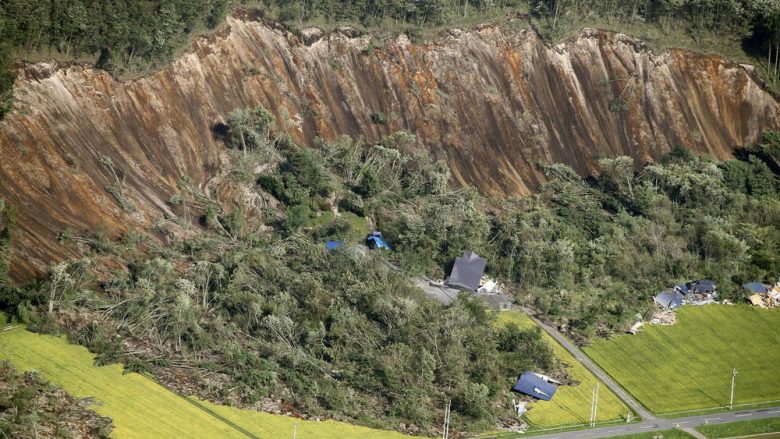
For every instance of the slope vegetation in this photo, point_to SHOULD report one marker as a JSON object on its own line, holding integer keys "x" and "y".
{"x": 493, "y": 102}
{"x": 141, "y": 408}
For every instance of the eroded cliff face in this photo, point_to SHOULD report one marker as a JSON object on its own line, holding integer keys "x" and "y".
{"x": 490, "y": 102}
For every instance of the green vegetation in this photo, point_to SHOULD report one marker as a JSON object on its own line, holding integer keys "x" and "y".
{"x": 692, "y": 360}
{"x": 666, "y": 434}
{"x": 141, "y": 408}
{"x": 742, "y": 428}
{"x": 30, "y": 407}
{"x": 118, "y": 36}
{"x": 7, "y": 219}
{"x": 571, "y": 404}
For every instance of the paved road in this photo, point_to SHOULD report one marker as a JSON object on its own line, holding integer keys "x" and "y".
{"x": 591, "y": 366}
{"x": 663, "y": 424}
{"x": 445, "y": 295}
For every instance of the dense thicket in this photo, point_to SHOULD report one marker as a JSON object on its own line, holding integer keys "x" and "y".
{"x": 250, "y": 292}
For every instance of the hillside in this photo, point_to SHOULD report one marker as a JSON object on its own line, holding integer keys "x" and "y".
{"x": 494, "y": 94}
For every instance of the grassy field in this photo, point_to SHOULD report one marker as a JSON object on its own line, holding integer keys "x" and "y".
{"x": 742, "y": 428}
{"x": 571, "y": 404}
{"x": 665, "y": 434}
{"x": 688, "y": 366}
{"x": 141, "y": 408}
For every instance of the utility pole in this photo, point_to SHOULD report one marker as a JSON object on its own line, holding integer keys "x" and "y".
{"x": 733, "y": 376}
{"x": 446, "y": 432}
{"x": 594, "y": 405}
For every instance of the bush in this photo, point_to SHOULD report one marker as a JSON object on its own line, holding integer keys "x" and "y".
{"x": 379, "y": 118}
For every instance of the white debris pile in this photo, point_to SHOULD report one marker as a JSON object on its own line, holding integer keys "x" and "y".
{"x": 666, "y": 318}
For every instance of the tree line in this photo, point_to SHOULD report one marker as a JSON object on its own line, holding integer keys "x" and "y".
{"x": 133, "y": 35}
{"x": 117, "y": 34}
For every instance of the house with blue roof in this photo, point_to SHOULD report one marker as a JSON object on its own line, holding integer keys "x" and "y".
{"x": 533, "y": 385}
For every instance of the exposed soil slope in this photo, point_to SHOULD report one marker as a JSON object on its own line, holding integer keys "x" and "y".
{"x": 490, "y": 101}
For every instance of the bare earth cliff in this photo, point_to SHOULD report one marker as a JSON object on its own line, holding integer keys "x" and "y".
{"x": 490, "y": 102}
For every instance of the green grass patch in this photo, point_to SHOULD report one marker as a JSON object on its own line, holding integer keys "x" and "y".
{"x": 741, "y": 428}
{"x": 141, "y": 408}
{"x": 571, "y": 404}
{"x": 688, "y": 366}
{"x": 355, "y": 230}
{"x": 665, "y": 434}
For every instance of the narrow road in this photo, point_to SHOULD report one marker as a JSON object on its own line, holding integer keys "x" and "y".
{"x": 685, "y": 424}
{"x": 638, "y": 408}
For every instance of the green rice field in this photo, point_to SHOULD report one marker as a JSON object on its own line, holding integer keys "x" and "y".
{"x": 141, "y": 408}
{"x": 571, "y": 404}
{"x": 688, "y": 366}
{"x": 666, "y": 434}
{"x": 742, "y": 428}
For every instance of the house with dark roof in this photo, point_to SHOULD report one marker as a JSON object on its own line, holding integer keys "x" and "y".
{"x": 532, "y": 384}
{"x": 703, "y": 286}
{"x": 670, "y": 299}
{"x": 756, "y": 287}
{"x": 467, "y": 271}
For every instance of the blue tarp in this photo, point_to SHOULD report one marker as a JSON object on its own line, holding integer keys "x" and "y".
{"x": 333, "y": 245}
{"x": 374, "y": 240}
{"x": 532, "y": 385}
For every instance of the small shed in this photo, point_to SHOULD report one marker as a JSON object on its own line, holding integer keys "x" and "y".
{"x": 531, "y": 384}
{"x": 467, "y": 271}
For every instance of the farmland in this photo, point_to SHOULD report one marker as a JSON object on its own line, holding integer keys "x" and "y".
{"x": 743, "y": 428}
{"x": 688, "y": 366}
{"x": 666, "y": 434}
{"x": 571, "y": 404}
{"x": 141, "y": 408}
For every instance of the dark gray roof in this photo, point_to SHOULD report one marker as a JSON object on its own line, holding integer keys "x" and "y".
{"x": 467, "y": 271}
{"x": 755, "y": 287}
{"x": 669, "y": 299}
{"x": 703, "y": 286}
